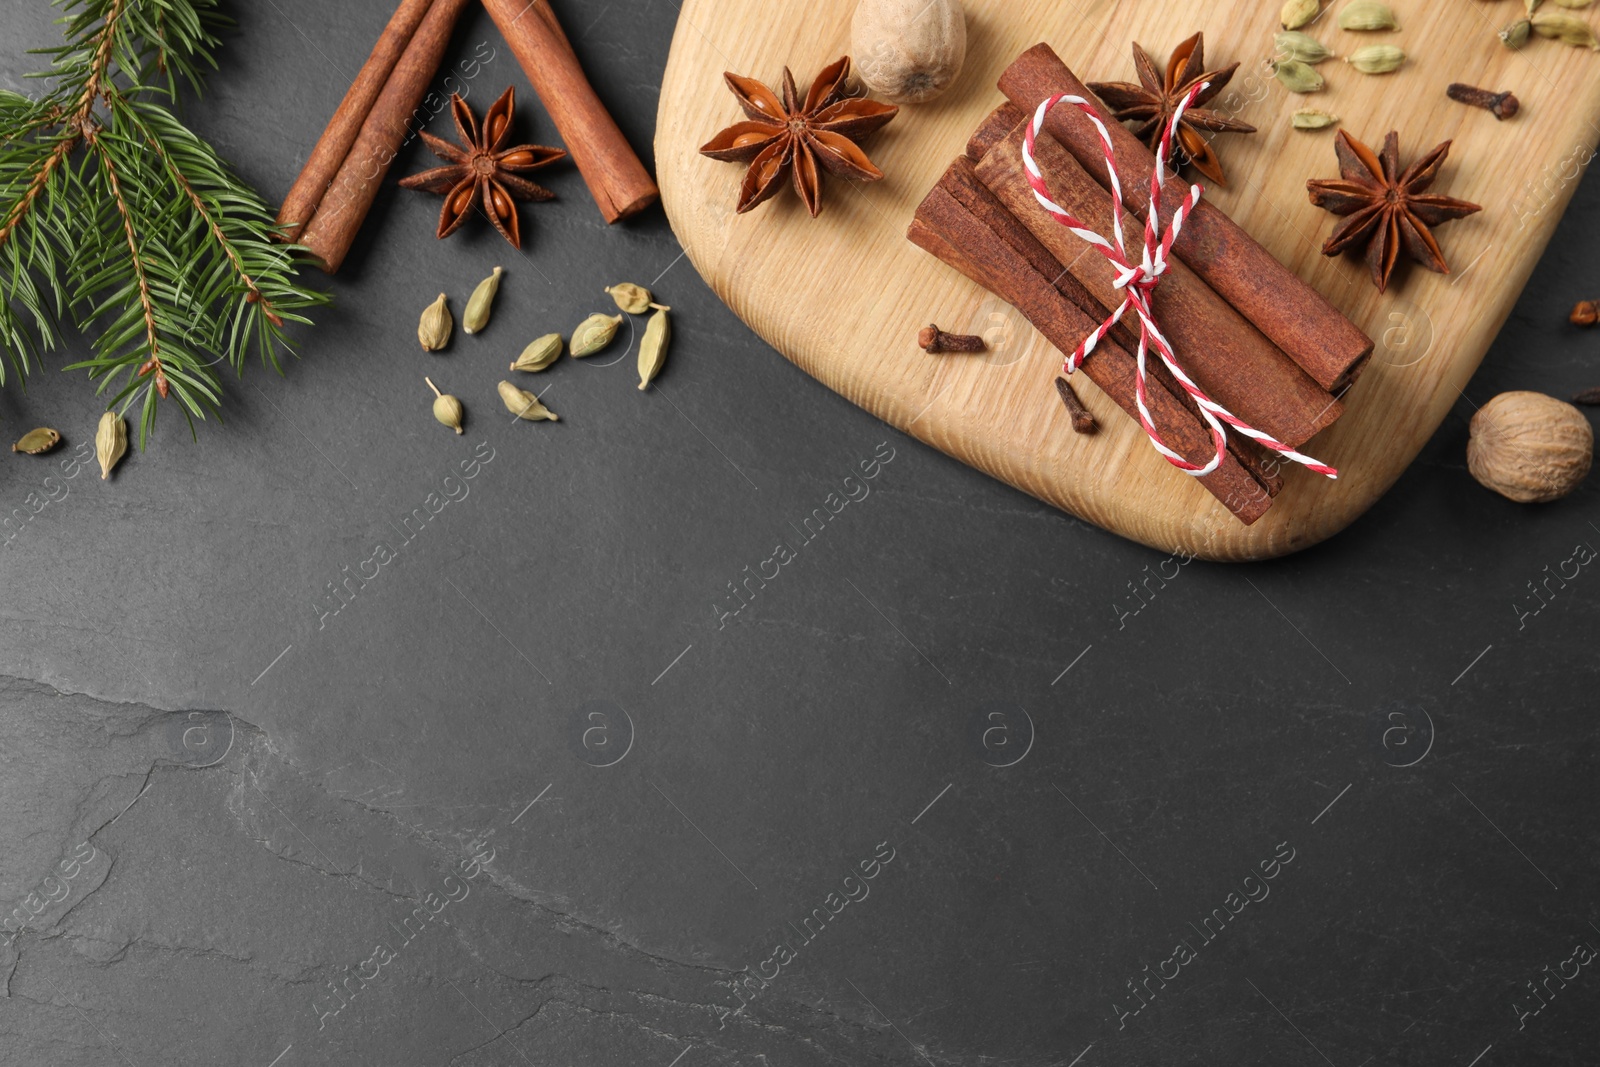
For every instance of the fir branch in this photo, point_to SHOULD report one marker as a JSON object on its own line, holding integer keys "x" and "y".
{"x": 150, "y": 244}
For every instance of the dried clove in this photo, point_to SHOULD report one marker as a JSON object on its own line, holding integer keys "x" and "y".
{"x": 1082, "y": 419}
{"x": 1589, "y": 398}
{"x": 933, "y": 339}
{"x": 1501, "y": 105}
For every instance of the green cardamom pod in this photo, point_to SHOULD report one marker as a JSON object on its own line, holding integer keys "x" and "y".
{"x": 446, "y": 408}
{"x": 36, "y": 441}
{"x": 437, "y": 322}
{"x": 1377, "y": 59}
{"x": 1302, "y": 46}
{"x": 653, "y": 349}
{"x": 110, "y": 442}
{"x": 594, "y": 333}
{"x": 1309, "y": 118}
{"x": 539, "y": 355}
{"x": 1576, "y": 5}
{"x": 1298, "y": 77}
{"x": 1516, "y": 34}
{"x": 1533, "y": 5}
{"x": 1363, "y": 15}
{"x": 1569, "y": 28}
{"x": 482, "y": 303}
{"x": 524, "y": 405}
{"x": 1297, "y": 13}
{"x": 634, "y": 299}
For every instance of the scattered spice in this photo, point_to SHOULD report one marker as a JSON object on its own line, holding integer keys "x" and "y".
{"x": 1529, "y": 447}
{"x": 1385, "y": 207}
{"x": 1502, "y": 105}
{"x": 1588, "y": 398}
{"x": 1310, "y": 118}
{"x": 634, "y": 299}
{"x": 436, "y": 324}
{"x": 1292, "y": 44}
{"x": 1367, "y": 15}
{"x": 1297, "y": 13}
{"x": 1152, "y": 102}
{"x": 110, "y": 442}
{"x": 540, "y": 354}
{"x": 1082, "y": 418}
{"x": 932, "y": 339}
{"x": 1585, "y": 313}
{"x": 593, "y": 334}
{"x": 37, "y": 442}
{"x": 446, "y": 408}
{"x": 482, "y": 303}
{"x": 1377, "y": 59}
{"x": 914, "y": 48}
{"x": 653, "y": 349}
{"x": 799, "y": 135}
{"x": 481, "y": 171}
{"x": 1298, "y": 77}
{"x": 524, "y": 405}
{"x": 1570, "y": 29}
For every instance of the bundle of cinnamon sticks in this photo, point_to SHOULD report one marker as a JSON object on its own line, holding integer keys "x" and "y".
{"x": 382, "y": 110}
{"x": 1254, "y": 336}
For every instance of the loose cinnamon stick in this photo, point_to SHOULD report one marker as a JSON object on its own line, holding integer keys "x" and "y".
{"x": 1288, "y": 311}
{"x": 338, "y": 218}
{"x": 944, "y": 227}
{"x": 1001, "y": 121}
{"x": 334, "y": 145}
{"x": 1221, "y": 350}
{"x": 615, "y": 176}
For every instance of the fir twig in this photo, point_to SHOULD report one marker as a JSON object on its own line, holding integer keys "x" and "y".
{"x": 148, "y": 243}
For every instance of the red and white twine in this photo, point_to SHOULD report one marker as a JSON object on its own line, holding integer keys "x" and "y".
{"x": 1139, "y": 281}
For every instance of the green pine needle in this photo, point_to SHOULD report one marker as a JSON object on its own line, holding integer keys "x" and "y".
{"x": 116, "y": 218}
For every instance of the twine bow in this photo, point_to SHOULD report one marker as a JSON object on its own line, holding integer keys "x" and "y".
{"x": 1138, "y": 281}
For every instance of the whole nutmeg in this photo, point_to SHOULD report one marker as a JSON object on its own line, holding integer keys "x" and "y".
{"x": 909, "y": 51}
{"x": 1529, "y": 447}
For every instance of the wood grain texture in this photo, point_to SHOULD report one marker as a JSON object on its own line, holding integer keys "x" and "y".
{"x": 844, "y": 296}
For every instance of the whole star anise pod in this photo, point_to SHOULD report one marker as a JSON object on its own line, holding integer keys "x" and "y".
{"x": 797, "y": 135}
{"x": 482, "y": 171}
{"x": 1152, "y": 102}
{"x": 1385, "y": 207}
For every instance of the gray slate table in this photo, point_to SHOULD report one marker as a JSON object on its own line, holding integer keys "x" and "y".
{"x": 560, "y": 782}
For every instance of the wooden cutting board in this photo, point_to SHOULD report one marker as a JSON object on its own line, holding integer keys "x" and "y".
{"x": 843, "y": 296}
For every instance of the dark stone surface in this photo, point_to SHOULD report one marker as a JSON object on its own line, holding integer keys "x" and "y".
{"x": 531, "y": 725}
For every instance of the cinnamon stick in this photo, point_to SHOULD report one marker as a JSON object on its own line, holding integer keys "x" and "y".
{"x": 1221, "y": 350}
{"x": 945, "y": 228}
{"x": 392, "y": 118}
{"x": 617, "y": 179}
{"x": 1001, "y": 121}
{"x": 322, "y": 166}
{"x": 1289, "y": 312}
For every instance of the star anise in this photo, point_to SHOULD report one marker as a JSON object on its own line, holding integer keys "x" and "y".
{"x": 482, "y": 171}
{"x": 799, "y": 135}
{"x": 1385, "y": 207}
{"x": 1152, "y": 102}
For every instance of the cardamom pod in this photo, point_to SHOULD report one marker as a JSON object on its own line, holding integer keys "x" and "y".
{"x": 437, "y": 322}
{"x": 1363, "y": 15}
{"x": 446, "y": 408}
{"x": 653, "y": 349}
{"x": 1516, "y": 34}
{"x": 1576, "y": 5}
{"x": 110, "y": 442}
{"x": 1377, "y": 59}
{"x": 1291, "y": 44}
{"x": 539, "y": 355}
{"x": 1298, "y": 77}
{"x": 524, "y": 405}
{"x": 594, "y": 333}
{"x": 1569, "y": 28}
{"x": 1297, "y": 13}
{"x": 37, "y": 441}
{"x": 634, "y": 299}
{"x": 482, "y": 303}
{"x": 1310, "y": 118}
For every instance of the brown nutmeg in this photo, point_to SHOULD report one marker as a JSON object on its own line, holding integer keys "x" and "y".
{"x": 1529, "y": 447}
